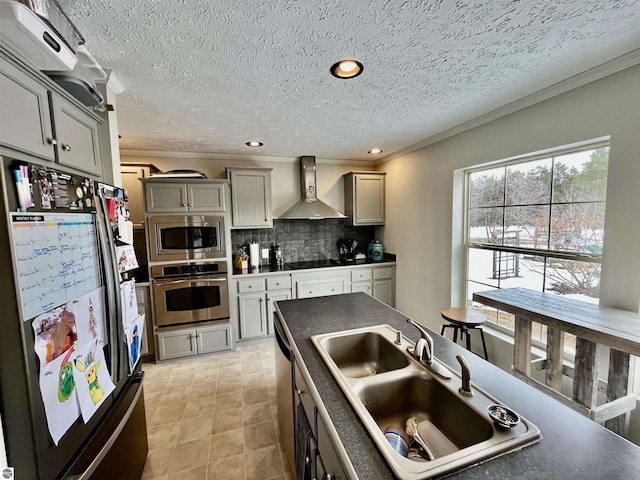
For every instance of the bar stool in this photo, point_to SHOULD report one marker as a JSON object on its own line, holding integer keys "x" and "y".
{"x": 464, "y": 319}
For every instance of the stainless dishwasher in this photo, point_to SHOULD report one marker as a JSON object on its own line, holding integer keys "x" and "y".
{"x": 284, "y": 390}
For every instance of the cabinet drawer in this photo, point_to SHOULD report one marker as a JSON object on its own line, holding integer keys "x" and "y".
{"x": 382, "y": 273}
{"x": 301, "y": 390}
{"x": 308, "y": 289}
{"x": 278, "y": 283}
{"x": 251, "y": 285}
{"x": 361, "y": 275}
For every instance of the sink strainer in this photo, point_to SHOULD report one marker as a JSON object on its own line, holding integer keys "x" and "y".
{"x": 502, "y": 416}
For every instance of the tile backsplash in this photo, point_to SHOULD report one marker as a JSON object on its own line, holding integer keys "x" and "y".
{"x": 304, "y": 240}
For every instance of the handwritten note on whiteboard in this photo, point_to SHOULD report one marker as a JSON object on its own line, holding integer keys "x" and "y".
{"x": 56, "y": 259}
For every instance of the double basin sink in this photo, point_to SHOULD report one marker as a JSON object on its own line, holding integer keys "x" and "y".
{"x": 387, "y": 386}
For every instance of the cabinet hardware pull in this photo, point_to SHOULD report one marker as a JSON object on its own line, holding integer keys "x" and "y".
{"x": 52, "y": 141}
{"x": 183, "y": 204}
{"x": 66, "y": 147}
{"x": 190, "y": 204}
{"x": 299, "y": 392}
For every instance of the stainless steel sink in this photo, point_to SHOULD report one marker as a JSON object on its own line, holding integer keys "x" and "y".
{"x": 364, "y": 354}
{"x": 386, "y": 386}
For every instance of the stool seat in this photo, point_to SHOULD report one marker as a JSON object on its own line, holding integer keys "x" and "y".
{"x": 464, "y": 319}
{"x": 463, "y": 316}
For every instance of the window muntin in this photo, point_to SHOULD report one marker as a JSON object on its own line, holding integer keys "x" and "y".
{"x": 538, "y": 223}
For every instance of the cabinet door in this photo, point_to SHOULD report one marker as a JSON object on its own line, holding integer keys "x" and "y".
{"x": 383, "y": 291}
{"x": 369, "y": 199}
{"x": 25, "y": 122}
{"x": 205, "y": 197}
{"x": 362, "y": 287}
{"x": 135, "y": 193}
{"x": 77, "y": 136}
{"x": 176, "y": 344}
{"x": 166, "y": 197}
{"x": 251, "y": 198}
{"x": 274, "y": 297}
{"x": 253, "y": 315}
{"x": 214, "y": 339}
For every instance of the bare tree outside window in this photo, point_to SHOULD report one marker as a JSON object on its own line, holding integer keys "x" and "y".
{"x": 538, "y": 224}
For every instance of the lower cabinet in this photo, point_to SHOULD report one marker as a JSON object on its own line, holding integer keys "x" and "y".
{"x": 254, "y": 295}
{"x": 255, "y": 304}
{"x": 194, "y": 341}
{"x": 383, "y": 285}
{"x": 320, "y": 284}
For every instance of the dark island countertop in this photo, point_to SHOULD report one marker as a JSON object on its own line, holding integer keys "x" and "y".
{"x": 572, "y": 446}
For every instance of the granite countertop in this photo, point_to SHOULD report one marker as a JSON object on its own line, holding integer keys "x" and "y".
{"x": 572, "y": 446}
{"x": 309, "y": 265}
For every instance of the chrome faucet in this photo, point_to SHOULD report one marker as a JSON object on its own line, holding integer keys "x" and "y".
{"x": 465, "y": 388}
{"x": 423, "y": 352}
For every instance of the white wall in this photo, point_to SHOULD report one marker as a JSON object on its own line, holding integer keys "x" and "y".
{"x": 422, "y": 209}
{"x": 420, "y": 189}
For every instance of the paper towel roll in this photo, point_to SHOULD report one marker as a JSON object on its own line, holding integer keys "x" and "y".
{"x": 254, "y": 255}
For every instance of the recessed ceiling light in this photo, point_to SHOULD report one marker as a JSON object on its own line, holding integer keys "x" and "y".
{"x": 255, "y": 144}
{"x": 346, "y": 69}
{"x": 375, "y": 151}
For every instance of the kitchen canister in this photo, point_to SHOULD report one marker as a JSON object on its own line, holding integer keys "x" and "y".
{"x": 398, "y": 439}
{"x": 375, "y": 251}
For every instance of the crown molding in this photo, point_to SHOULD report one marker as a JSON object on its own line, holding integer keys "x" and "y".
{"x": 148, "y": 153}
{"x": 616, "y": 65}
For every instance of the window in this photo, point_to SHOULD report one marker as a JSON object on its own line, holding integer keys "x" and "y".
{"x": 537, "y": 223}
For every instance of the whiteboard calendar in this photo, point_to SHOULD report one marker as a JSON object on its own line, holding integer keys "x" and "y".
{"x": 56, "y": 259}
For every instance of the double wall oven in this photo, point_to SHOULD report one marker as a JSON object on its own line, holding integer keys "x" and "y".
{"x": 190, "y": 292}
{"x": 189, "y": 276}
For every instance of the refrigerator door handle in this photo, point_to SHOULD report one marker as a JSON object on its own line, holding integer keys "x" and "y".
{"x": 112, "y": 284}
{"x": 107, "y": 446}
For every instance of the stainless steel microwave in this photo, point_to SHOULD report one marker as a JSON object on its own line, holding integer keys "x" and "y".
{"x": 185, "y": 237}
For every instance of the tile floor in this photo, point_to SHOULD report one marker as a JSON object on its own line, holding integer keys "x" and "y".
{"x": 214, "y": 417}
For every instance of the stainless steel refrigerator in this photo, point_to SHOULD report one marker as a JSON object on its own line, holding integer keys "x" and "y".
{"x": 112, "y": 442}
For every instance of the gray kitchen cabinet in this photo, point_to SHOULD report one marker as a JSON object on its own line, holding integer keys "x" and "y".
{"x": 364, "y": 198}
{"x": 143, "y": 299}
{"x": 361, "y": 280}
{"x": 250, "y": 197}
{"x": 25, "y": 121}
{"x": 255, "y": 304}
{"x": 131, "y": 176}
{"x": 194, "y": 341}
{"x": 78, "y": 145}
{"x": 318, "y": 284}
{"x": 37, "y": 119}
{"x": 383, "y": 285}
{"x": 178, "y": 196}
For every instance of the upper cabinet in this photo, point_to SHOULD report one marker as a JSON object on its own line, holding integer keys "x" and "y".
{"x": 38, "y": 120}
{"x": 76, "y": 137}
{"x": 250, "y": 197}
{"x": 180, "y": 196}
{"x": 364, "y": 198}
{"x": 131, "y": 176}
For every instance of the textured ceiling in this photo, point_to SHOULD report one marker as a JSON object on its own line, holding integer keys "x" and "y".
{"x": 207, "y": 76}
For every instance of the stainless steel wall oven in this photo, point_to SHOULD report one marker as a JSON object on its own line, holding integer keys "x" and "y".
{"x": 190, "y": 292}
{"x": 185, "y": 237}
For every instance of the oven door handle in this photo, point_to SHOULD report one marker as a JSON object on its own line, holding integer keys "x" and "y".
{"x": 161, "y": 283}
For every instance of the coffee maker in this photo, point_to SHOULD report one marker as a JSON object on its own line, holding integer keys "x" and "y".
{"x": 345, "y": 250}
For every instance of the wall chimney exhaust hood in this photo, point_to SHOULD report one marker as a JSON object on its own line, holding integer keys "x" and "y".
{"x": 309, "y": 207}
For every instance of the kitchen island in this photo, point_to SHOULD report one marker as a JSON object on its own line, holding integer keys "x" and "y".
{"x": 572, "y": 446}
